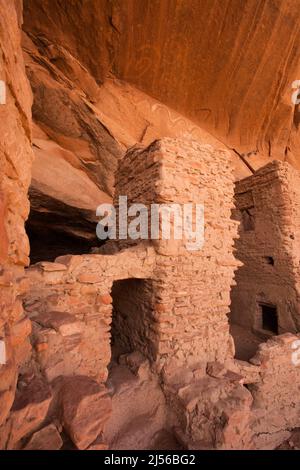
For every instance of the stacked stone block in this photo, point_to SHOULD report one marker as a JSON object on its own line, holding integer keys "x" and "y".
{"x": 268, "y": 206}
{"x": 70, "y": 307}
{"x": 191, "y": 288}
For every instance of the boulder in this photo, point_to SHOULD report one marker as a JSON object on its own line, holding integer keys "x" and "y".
{"x": 47, "y": 438}
{"x": 29, "y": 411}
{"x": 85, "y": 407}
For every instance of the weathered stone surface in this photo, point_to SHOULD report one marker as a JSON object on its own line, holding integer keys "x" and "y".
{"x": 3, "y": 233}
{"x": 268, "y": 248}
{"x": 71, "y": 319}
{"x": 6, "y": 401}
{"x": 216, "y": 413}
{"x": 16, "y": 157}
{"x": 276, "y": 407}
{"x": 249, "y": 372}
{"x": 215, "y": 369}
{"x": 53, "y": 267}
{"x": 89, "y": 278}
{"x": 86, "y": 406}
{"x": 75, "y": 154}
{"x": 294, "y": 440}
{"x": 137, "y": 364}
{"x": 106, "y": 299}
{"x": 64, "y": 323}
{"x": 179, "y": 61}
{"x": 20, "y": 331}
{"x": 138, "y": 409}
{"x": 15, "y": 120}
{"x": 98, "y": 444}
{"x": 47, "y": 438}
{"x": 29, "y": 411}
{"x": 66, "y": 29}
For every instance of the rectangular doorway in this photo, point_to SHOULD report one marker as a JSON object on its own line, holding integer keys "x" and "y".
{"x": 269, "y": 318}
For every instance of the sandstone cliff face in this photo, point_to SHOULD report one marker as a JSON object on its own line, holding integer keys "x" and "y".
{"x": 227, "y": 65}
{"x": 15, "y": 136}
{"x": 85, "y": 30}
{"x": 76, "y": 156}
{"x": 15, "y": 162}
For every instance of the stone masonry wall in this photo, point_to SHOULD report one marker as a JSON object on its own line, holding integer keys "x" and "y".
{"x": 276, "y": 404}
{"x": 171, "y": 304}
{"x": 272, "y": 376}
{"x": 192, "y": 299}
{"x": 70, "y": 306}
{"x": 137, "y": 178}
{"x": 192, "y": 288}
{"x": 268, "y": 206}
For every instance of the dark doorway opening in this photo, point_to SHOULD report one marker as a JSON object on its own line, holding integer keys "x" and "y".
{"x": 269, "y": 318}
{"x": 132, "y": 326}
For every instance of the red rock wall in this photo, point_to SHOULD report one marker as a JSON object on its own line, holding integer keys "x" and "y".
{"x": 15, "y": 172}
{"x": 228, "y": 65}
{"x": 77, "y": 25}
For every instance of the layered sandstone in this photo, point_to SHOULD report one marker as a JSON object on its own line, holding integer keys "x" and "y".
{"x": 15, "y": 159}
{"x": 229, "y": 65}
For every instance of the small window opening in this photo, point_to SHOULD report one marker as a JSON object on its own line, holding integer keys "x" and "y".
{"x": 270, "y": 260}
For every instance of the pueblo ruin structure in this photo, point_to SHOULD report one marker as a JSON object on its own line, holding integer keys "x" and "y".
{"x": 146, "y": 344}
{"x": 266, "y": 298}
{"x": 161, "y": 310}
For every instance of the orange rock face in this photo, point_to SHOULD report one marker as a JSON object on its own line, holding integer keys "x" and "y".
{"x": 227, "y": 65}
{"x": 3, "y": 232}
{"x": 15, "y": 136}
{"x": 15, "y": 172}
{"x": 110, "y": 348}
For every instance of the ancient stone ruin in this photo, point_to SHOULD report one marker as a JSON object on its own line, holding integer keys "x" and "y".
{"x": 160, "y": 341}
{"x": 266, "y": 296}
